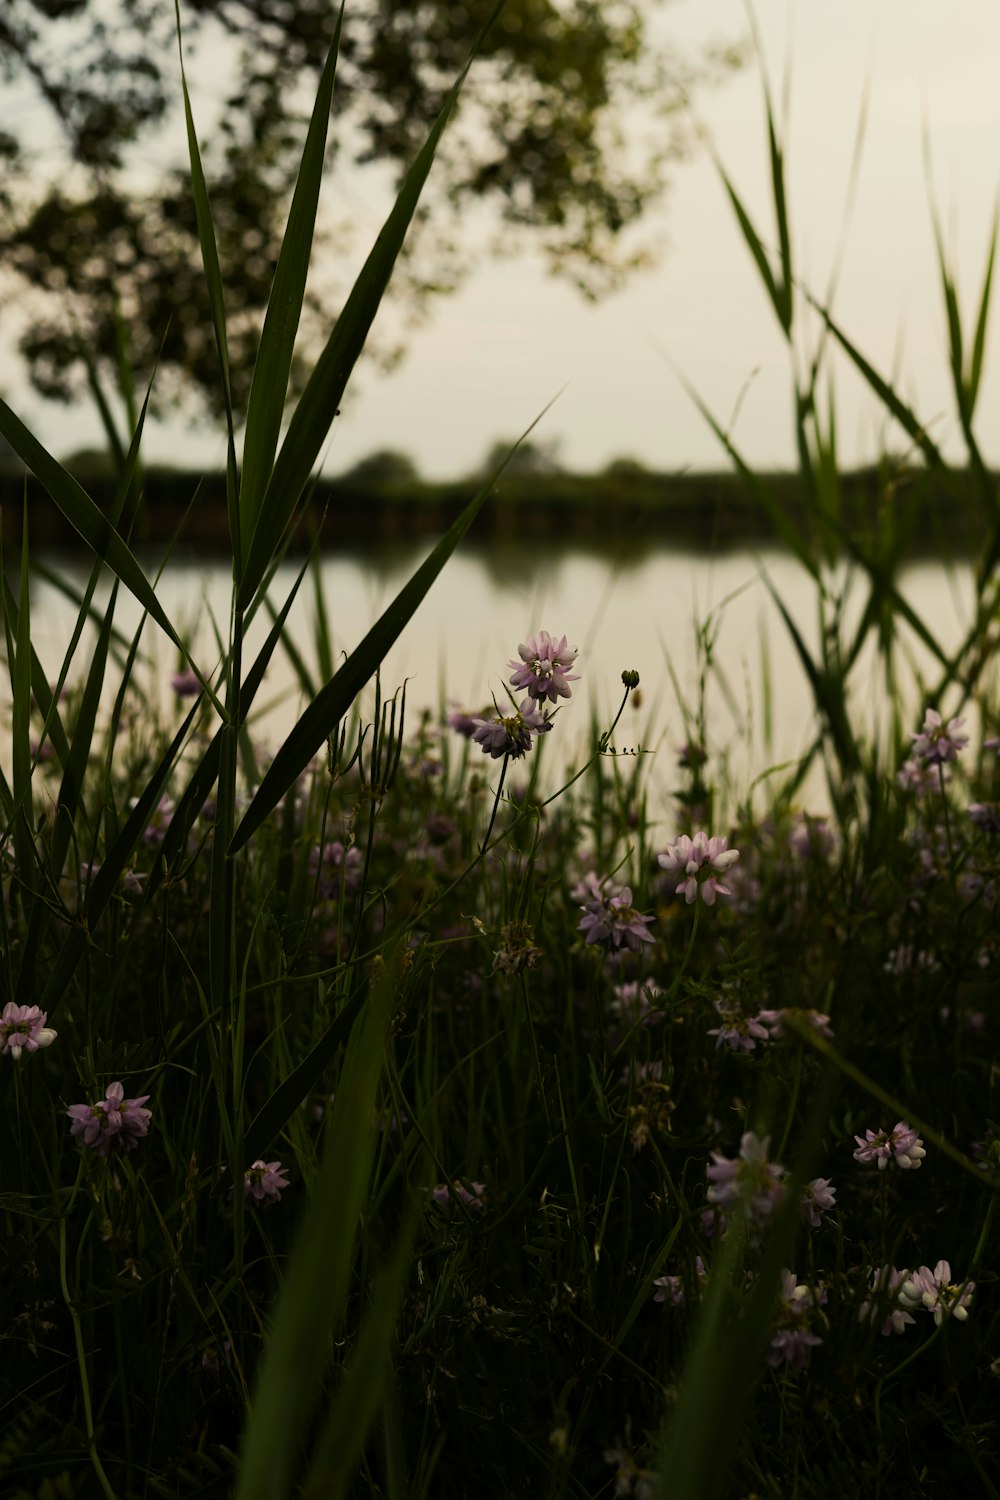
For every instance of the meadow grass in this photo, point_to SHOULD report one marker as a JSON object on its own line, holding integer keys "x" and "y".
{"x": 381, "y": 1119}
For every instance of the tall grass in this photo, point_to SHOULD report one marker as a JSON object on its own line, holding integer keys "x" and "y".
{"x": 439, "y": 1191}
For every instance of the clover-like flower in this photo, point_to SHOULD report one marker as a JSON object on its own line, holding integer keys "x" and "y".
{"x": 886, "y": 1297}
{"x": 511, "y": 734}
{"x": 264, "y": 1182}
{"x": 23, "y": 1029}
{"x": 818, "y": 1197}
{"x": 936, "y": 741}
{"x": 748, "y": 1181}
{"x": 611, "y": 920}
{"x": 114, "y": 1124}
{"x": 935, "y": 1291}
{"x": 900, "y": 1145}
{"x": 543, "y": 667}
{"x": 700, "y": 860}
{"x": 794, "y": 1341}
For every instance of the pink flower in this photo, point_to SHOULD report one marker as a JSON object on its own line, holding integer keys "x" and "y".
{"x": 748, "y": 1180}
{"x": 775, "y": 1020}
{"x": 23, "y": 1029}
{"x": 738, "y": 1032}
{"x": 446, "y": 1195}
{"x": 264, "y": 1182}
{"x": 542, "y": 668}
{"x": 114, "y": 1124}
{"x": 611, "y": 919}
{"x": 900, "y": 1145}
{"x": 886, "y": 1297}
{"x": 794, "y": 1342}
{"x": 699, "y": 859}
{"x": 185, "y": 684}
{"x": 935, "y": 1291}
{"x": 510, "y": 734}
{"x": 818, "y": 1197}
{"x": 938, "y": 742}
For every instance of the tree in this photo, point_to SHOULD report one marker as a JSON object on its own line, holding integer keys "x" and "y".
{"x": 103, "y": 250}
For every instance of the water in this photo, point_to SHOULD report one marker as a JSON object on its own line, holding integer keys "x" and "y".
{"x": 647, "y": 614}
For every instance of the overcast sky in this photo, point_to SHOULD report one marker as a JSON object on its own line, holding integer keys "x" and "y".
{"x": 496, "y": 352}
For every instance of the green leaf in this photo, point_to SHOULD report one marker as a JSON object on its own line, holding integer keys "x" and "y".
{"x": 335, "y": 698}
{"x": 284, "y": 306}
{"x": 313, "y": 1298}
{"x": 317, "y": 407}
{"x": 85, "y": 517}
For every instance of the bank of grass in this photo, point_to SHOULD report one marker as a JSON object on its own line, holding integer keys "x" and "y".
{"x": 382, "y": 1119}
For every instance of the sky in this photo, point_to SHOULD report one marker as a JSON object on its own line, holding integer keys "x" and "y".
{"x": 512, "y": 338}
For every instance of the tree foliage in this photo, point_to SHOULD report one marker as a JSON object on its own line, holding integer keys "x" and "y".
{"x": 97, "y": 225}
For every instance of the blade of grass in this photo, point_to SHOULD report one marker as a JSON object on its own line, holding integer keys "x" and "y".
{"x": 317, "y": 407}
{"x": 313, "y": 1298}
{"x": 335, "y": 698}
{"x": 213, "y": 278}
{"x": 284, "y": 305}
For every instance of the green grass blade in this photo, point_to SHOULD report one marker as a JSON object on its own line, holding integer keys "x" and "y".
{"x": 335, "y": 698}
{"x": 71, "y": 787}
{"x": 975, "y": 371}
{"x": 284, "y": 306}
{"x": 775, "y": 291}
{"x": 360, "y": 1396}
{"x": 773, "y": 509}
{"x": 213, "y": 277}
{"x": 43, "y": 694}
{"x": 24, "y": 849}
{"x": 105, "y": 882}
{"x": 314, "y": 1294}
{"x": 913, "y": 428}
{"x": 318, "y": 404}
{"x": 85, "y": 517}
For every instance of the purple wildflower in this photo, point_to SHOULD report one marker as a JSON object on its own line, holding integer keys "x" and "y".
{"x": 936, "y": 741}
{"x": 336, "y": 866}
{"x": 463, "y": 723}
{"x": 793, "y": 1343}
{"x": 542, "y": 668}
{"x": 900, "y": 1145}
{"x": 775, "y": 1020}
{"x": 446, "y": 1195}
{"x": 935, "y": 1291}
{"x": 633, "y": 1002}
{"x": 738, "y": 1032}
{"x": 748, "y": 1180}
{"x": 23, "y": 1029}
{"x": 818, "y": 1197}
{"x": 264, "y": 1182}
{"x": 112, "y": 1125}
{"x": 510, "y": 734}
{"x": 156, "y": 829}
{"x": 886, "y": 1286}
{"x": 611, "y": 920}
{"x": 185, "y": 684}
{"x": 696, "y": 857}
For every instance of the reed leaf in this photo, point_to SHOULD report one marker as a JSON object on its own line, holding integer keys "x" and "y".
{"x": 318, "y": 404}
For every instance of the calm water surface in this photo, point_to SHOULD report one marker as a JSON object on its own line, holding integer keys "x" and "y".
{"x": 649, "y": 614}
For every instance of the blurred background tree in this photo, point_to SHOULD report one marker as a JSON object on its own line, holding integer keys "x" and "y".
{"x": 97, "y": 229}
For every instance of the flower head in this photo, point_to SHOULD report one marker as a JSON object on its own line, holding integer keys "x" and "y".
{"x": 935, "y": 1291}
{"x": 794, "y": 1341}
{"x": 936, "y": 741}
{"x": 113, "y": 1124}
{"x": 542, "y": 668}
{"x": 886, "y": 1297}
{"x": 510, "y": 734}
{"x": 264, "y": 1182}
{"x": 818, "y": 1196}
{"x": 699, "y": 860}
{"x": 446, "y": 1195}
{"x": 23, "y": 1029}
{"x": 336, "y": 867}
{"x": 900, "y": 1145}
{"x": 748, "y": 1180}
{"x": 611, "y": 919}
{"x": 185, "y": 684}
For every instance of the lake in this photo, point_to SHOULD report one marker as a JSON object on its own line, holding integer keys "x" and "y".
{"x": 647, "y": 613}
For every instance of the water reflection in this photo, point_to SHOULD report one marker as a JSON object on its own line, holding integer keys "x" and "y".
{"x": 692, "y": 625}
